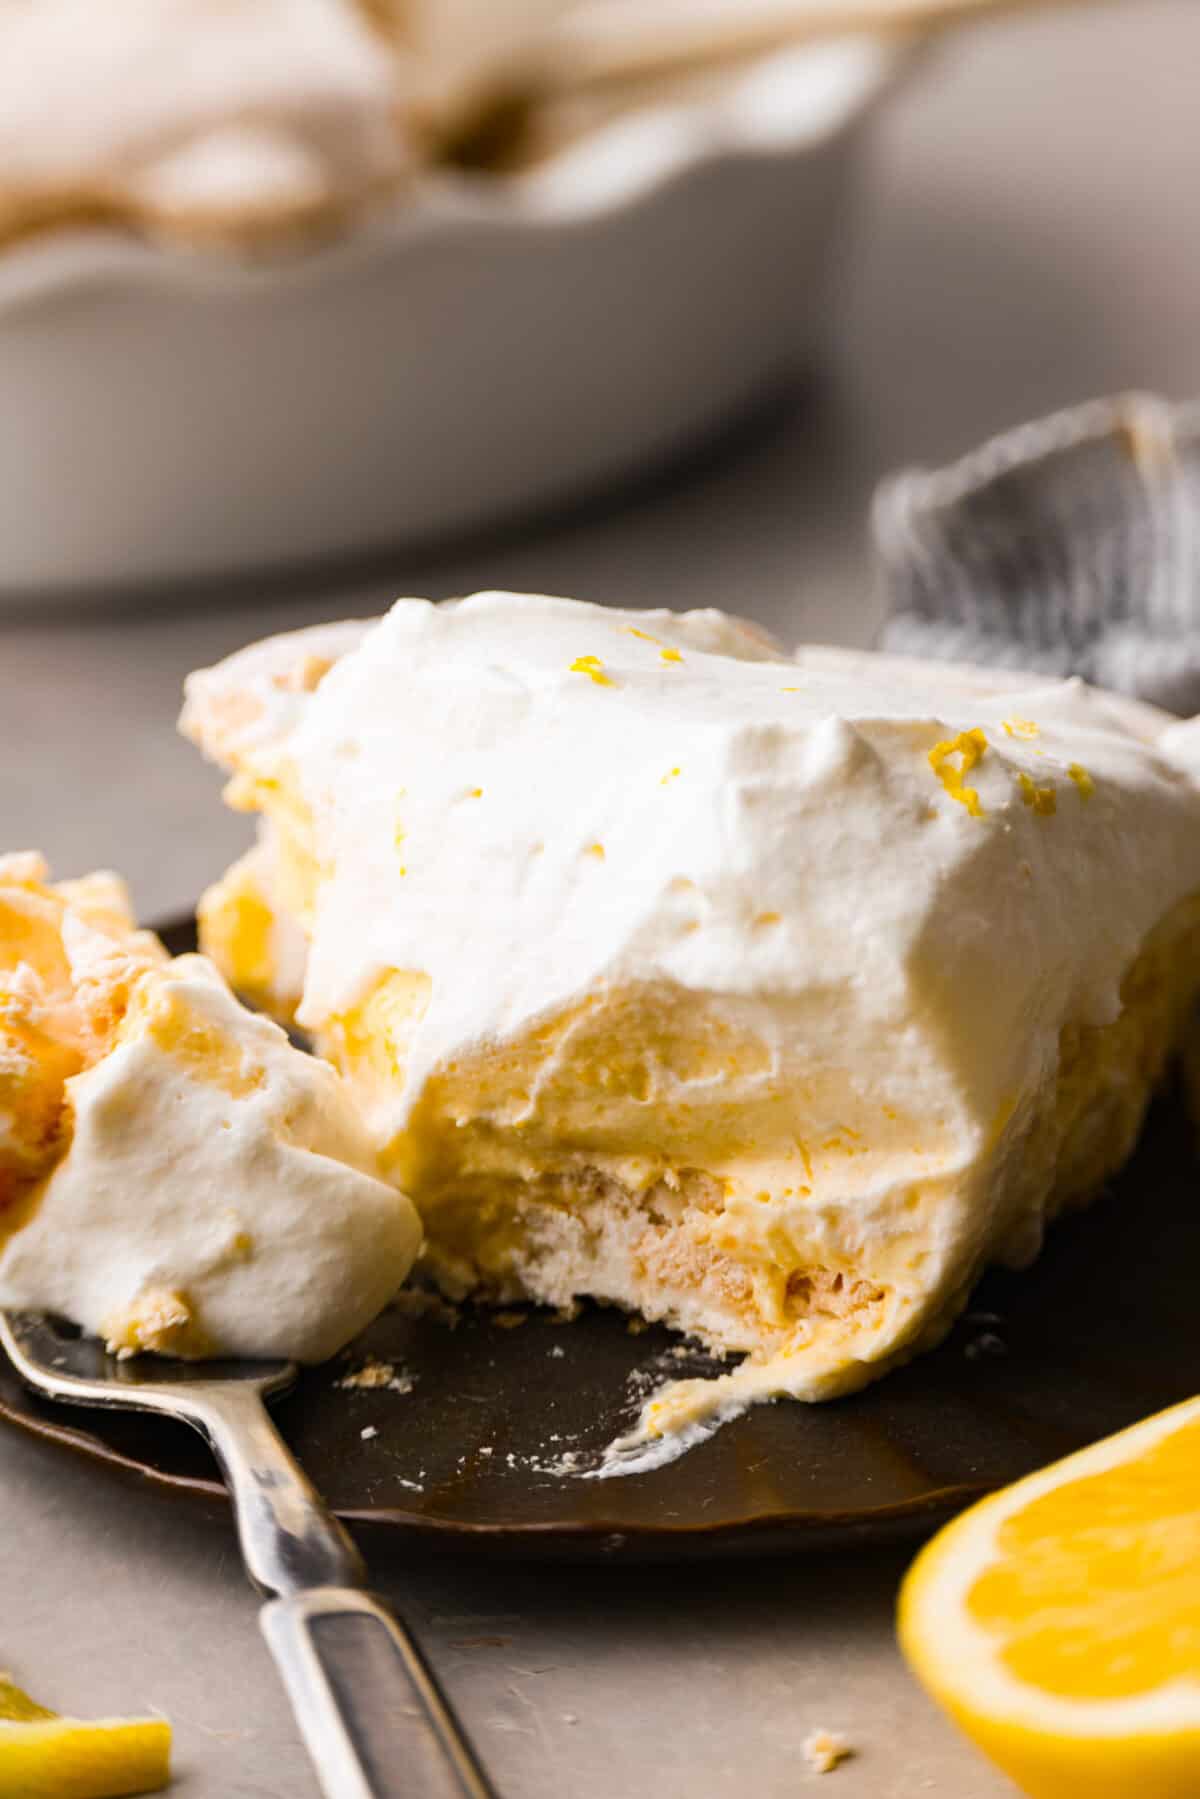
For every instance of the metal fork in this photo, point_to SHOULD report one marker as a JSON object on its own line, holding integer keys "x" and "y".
{"x": 370, "y": 1711}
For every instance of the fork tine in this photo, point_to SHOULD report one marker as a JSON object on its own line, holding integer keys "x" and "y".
{"x": 55, "y": 1361}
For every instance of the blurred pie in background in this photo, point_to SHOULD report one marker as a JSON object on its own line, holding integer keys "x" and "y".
{"x": 354, "y": 274}
{"x": 250, "y": 121}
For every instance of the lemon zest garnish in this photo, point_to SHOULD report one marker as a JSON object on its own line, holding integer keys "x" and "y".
{"x": 972, "y": 747}
{"x": 593, "y": 668}
{"x": 1043, "y": 800}
{"x": 668, "y": 655}
{"x": 1020, "y": 727}
{"x": 595, "y": 849}
{"x": 1082, "y": 779}
{"x": 474, "y": 793}
{"x": 670, "y": 775}
{"x": 791, "y": 690}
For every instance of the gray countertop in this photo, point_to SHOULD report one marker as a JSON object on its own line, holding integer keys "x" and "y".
{"x": 1027, "y": 236}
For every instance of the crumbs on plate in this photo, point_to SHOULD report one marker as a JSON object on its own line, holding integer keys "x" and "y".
{"x": 824, "y": 1749}
{"x": 373, "y": 1374}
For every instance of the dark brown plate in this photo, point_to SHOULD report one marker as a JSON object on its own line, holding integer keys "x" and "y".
{"x": 1101, "y": 1331}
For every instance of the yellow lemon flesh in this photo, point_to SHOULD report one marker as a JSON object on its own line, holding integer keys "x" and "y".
{"x": 1058, "y": 1622}
{"x": 43, "y": 1756}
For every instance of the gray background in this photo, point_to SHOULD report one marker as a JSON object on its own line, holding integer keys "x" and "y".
{"x": 1028, "y": 235}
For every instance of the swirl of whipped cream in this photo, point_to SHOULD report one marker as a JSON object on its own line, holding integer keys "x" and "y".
{"x": 174, "y": 1175}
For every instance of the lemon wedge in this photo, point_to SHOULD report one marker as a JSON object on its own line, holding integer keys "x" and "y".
{"x": 1058, "y": 1622}
{"x": 43, "y": 1756}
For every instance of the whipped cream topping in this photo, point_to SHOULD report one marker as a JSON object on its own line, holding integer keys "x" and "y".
{"x": 174, "y": 1175}
{"x": 524, "y": 797}
{"x": 842, "y": 906}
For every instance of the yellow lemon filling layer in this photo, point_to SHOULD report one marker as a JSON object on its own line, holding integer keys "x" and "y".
{"x": 634, "y": 1149}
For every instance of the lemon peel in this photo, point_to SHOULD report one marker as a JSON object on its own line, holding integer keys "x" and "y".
{"x": 44, "y": 1756}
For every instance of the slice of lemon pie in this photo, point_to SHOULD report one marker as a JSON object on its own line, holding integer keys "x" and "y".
{"x": 174, "y": 1174}
{"x": 770, "y": 997}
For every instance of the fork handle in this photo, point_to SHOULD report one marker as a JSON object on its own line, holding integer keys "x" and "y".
{"x": 369, "y": 1710}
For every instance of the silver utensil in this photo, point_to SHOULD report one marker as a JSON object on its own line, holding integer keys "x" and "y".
{"x": 370, "y": 1711}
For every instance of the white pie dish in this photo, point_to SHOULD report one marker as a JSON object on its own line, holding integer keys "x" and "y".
{"x": 487, "y": 346}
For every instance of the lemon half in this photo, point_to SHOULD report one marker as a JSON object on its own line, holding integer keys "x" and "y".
{"x": 43, "y": 1756}
{"x": 1058, "y": 1622}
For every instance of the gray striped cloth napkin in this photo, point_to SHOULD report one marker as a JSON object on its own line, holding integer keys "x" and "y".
{"x": 1069, "y": 546}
